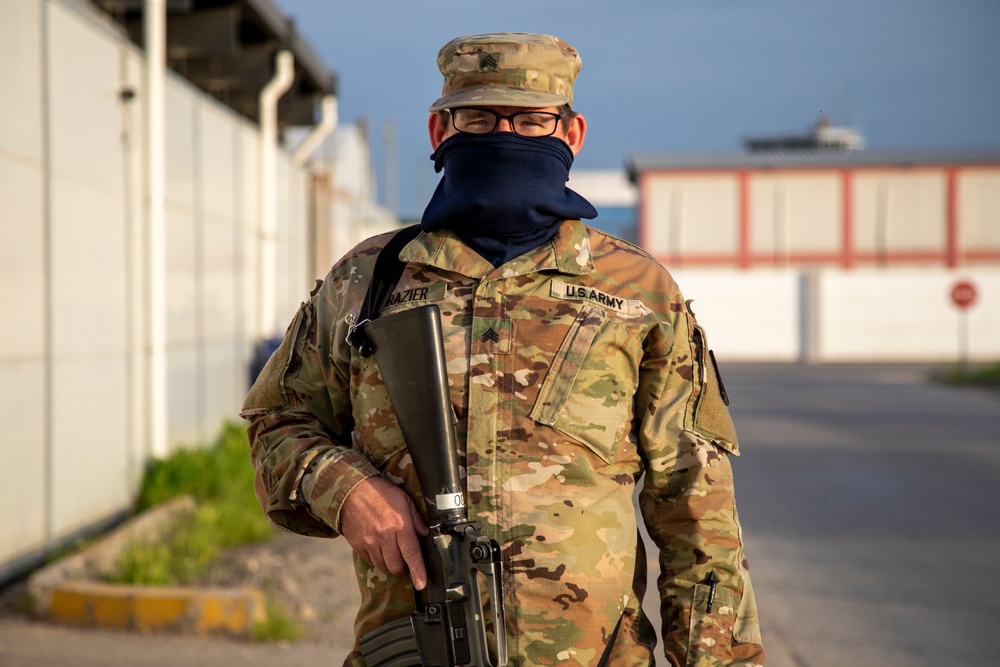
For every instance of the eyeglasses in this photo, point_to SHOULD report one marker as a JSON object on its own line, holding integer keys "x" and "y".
{"x": 525, "y": 123}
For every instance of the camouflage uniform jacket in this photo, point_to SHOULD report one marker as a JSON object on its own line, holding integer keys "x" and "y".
{"x": 573, "y": 370}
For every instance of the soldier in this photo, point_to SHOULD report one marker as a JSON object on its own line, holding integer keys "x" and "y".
{"x": 575, "y": 369}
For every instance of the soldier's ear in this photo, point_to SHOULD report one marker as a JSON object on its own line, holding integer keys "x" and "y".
{"x": 437, "y": 128}
{"x": 577, "y": 133}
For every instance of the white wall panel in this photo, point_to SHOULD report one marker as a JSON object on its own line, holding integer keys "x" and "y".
{"x": 184, "y": 395}
{"x": 905, "y": 315}
{"x": 247, "y": 148}
{"x": 692, "y": 214}
{"x": 22, "y": 261}
{"x": 293, "y": 280}
{"x": 89, "y": 451}
{"x": 84, "y": 106}
{"x": 747, "y": 315}
{"x": 218, "y": 283}
{"x": 182, "y": 127}
{"x": 182, "y": 289}
{"x": 795, "y": 213}
{"x": 22, "y": 476}
{"x": 88, "y": 272}
{"x": 218, "y": 167}
{"x": 21, "y": 54}
{"x": 224, "y": 382}
{"x": 978, "y": 204}
{"x": 899, "y": 212}
{"x": 88, "y": 288}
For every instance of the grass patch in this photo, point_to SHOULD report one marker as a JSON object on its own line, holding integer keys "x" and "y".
{"x": 279, "y": 625}
{"x": 220, "y": 479}
{"x": 979, "y": 375}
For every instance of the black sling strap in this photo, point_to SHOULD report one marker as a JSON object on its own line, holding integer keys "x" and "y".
{"x": 387, "y": 272}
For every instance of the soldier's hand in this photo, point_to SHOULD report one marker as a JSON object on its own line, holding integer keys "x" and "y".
{"x": 380, "y": 522}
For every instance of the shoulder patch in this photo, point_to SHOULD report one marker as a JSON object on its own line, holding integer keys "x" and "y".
{"x": 562, "y": 290}
{"x": 268, "y": 391}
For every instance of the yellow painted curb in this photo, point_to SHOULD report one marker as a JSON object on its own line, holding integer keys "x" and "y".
{"x": 70, "y": 591}
{"x": 189, "y": 611}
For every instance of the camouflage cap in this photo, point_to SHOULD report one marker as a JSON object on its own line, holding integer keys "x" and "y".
{"x": 507, "y": 69}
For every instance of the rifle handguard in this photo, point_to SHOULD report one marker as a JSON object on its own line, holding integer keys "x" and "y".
{"x": 449, "y": 626}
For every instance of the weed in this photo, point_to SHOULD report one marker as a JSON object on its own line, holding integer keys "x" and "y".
{"x": 278, "y": 626}
{"x": 978, "y": 375}
{"x": 221, "y": 480}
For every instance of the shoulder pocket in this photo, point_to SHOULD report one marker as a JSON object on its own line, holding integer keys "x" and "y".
{"x": 268, "y": 391}
{"x": 710, "y": 412}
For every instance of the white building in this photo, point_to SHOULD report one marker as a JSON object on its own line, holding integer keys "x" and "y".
{"x": 155, "y": 228}
{"x": 831, "y": 255}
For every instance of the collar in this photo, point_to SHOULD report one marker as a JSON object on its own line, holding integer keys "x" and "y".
{"x": 568, "y": 252}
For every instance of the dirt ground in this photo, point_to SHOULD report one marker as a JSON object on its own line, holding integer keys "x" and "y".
{"x": 311, "y": 580}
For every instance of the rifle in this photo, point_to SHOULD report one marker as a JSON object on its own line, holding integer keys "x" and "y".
{"x": 448, "y": 627}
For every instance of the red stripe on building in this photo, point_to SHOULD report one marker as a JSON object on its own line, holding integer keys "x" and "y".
{"x": 847, "y": 219}
{"x": 951, "y": 218}
{"x": 743, "y": 242}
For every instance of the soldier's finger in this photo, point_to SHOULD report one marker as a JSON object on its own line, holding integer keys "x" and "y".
{"x": 418, "y": 521}
{"x": 374, "y": 558}
{"x": 394, "y": 561}
{"x": 409, "y": 548}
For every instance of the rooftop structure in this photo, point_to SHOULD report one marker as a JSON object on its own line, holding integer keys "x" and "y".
{"x": 823, "y": 136}
{"x": 227, "y": 48}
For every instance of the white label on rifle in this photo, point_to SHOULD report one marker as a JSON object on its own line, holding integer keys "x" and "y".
{"x": 450, "y": 501}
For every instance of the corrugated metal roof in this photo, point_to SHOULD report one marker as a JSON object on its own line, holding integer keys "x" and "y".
{"x": 807, "y": 159}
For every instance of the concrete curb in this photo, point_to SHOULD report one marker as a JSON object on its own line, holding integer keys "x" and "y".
{"x": 68, "y": 591}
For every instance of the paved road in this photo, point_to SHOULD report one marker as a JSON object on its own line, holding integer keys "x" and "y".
{"x": 871, "y": 504}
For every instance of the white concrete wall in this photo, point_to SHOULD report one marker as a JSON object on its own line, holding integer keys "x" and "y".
{"x": 747, "y": 316}
{"x": 72, "y": 266}
{"x": 353, "y": 192}
{"x": 23, "y": 283}
{"x": 836, "y": 316}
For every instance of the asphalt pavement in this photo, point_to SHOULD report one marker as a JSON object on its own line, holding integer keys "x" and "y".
{"x": 870, "y": 501}
{"x": 870, "y": 504}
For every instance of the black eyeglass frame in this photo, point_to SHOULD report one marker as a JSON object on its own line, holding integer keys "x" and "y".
{"x": 510, "y": 119}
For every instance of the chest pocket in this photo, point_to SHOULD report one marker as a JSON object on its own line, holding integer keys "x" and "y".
{"x": 581, "y": 396}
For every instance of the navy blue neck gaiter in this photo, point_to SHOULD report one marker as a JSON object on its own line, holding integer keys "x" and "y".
{"x": 503, "y": 194}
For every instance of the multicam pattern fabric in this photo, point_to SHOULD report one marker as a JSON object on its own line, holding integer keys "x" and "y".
{"x": 574, "y": 370}
{"x": 510, "y": 69}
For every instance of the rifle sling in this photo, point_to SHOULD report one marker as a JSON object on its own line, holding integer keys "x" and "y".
{"x": 387, "y": 272}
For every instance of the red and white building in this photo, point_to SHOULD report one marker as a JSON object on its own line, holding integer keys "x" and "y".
{"x": 820, "y": 207}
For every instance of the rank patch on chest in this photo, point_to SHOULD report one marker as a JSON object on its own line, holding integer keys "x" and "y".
{"x": 428, "y": 293}
{"x": 562, "y": 290}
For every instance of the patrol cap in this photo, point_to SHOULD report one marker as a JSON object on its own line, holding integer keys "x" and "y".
{"x": 507, "y": 69}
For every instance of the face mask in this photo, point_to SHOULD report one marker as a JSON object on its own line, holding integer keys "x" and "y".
{"x": 503, "y": 194}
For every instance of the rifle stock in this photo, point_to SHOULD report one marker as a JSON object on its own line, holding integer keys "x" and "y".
{"x": 449, "y": 625}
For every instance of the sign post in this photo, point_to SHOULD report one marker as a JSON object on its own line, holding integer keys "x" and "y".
{"x": 963, "y": 295}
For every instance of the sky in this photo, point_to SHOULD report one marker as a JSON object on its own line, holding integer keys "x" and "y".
{"x": 681, "y": 75}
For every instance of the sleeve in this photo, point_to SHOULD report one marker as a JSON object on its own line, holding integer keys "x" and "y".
{"x": 300, "y": 422}
{"x": 687, "y": 502}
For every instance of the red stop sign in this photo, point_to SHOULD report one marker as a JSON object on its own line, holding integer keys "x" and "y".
{"x": 963, "y": 294}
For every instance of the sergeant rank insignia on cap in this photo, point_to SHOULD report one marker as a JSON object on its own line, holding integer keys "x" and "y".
{"x": 488, "y": 63}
